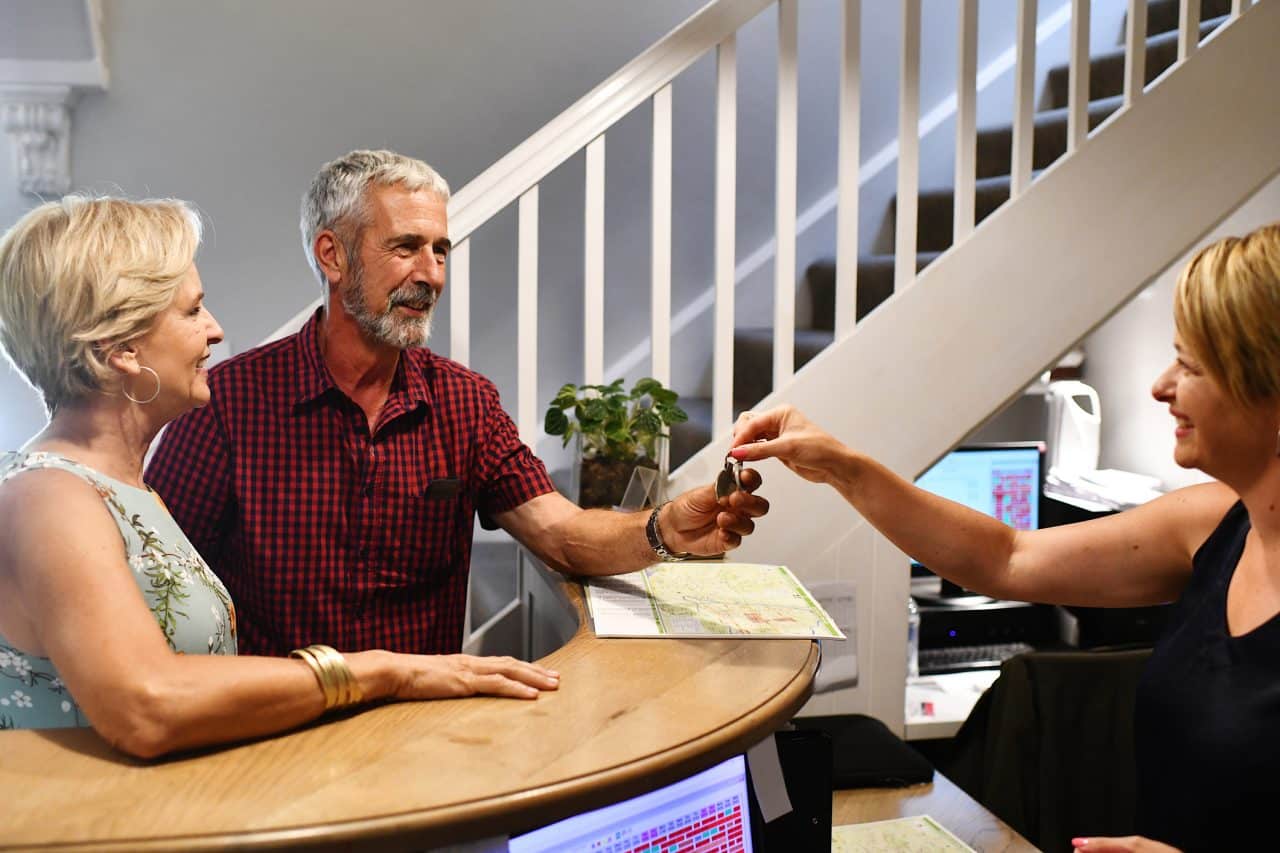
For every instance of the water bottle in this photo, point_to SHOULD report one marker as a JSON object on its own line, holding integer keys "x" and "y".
{"x": 913, "y": 638}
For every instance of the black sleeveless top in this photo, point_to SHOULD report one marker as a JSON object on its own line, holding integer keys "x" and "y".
{"x": 1207, "y": 725}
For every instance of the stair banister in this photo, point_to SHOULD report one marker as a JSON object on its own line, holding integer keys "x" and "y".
{"x": 1024, "y": 93}
{"x": 660, "y": 240}
{"x": 725, "y": 225}
{"x": 905, "y": 229}
{"x": 1188, "y": 27}
{"x": 847, "y": 168}
{"x": 784, "y": 258}
{"x": 1078, "y": 85}
{"x": 966, "y": 120}
{"x": 527, "y": 318}
{"x": 1135, "y": 54}
{"x": 593, "y": 267}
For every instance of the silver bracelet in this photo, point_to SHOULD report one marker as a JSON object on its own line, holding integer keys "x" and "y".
{"x": 654, "y": 535}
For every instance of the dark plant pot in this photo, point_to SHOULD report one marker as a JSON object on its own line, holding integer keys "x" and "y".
{"x": 603, "y": 482}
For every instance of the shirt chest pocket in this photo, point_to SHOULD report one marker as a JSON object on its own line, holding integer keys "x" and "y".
{"x": 423, "y": 539}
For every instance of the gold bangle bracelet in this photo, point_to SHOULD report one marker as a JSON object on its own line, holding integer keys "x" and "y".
{"x": 336, "y": 668}
{"x": 336, "y": 680}
{"x": 323, "y": 677}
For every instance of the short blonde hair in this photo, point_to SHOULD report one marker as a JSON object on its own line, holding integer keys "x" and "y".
{"x": 1227, "y": 311}
{"x": 81, "y": 275}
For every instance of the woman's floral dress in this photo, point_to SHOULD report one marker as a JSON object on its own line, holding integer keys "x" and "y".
{"x": 188, "y": 601}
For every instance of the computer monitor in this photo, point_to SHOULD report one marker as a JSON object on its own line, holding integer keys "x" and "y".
{"x": 707, "y": 811}
{"x": 1004, "y": 481}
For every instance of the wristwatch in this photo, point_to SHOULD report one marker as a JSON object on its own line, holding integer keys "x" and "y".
{"x": 654, "y": 536}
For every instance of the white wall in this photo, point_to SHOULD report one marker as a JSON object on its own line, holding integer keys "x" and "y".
{"x": 1128, "y": 351}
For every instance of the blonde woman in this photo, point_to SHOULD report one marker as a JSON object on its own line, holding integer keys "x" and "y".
{"x": 1208, "y": 705}
{"x": 108, "y": 616}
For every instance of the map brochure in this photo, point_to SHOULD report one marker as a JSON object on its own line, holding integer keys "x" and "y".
{"x": 920, "y": 834}
{"x": 708, "y": 599}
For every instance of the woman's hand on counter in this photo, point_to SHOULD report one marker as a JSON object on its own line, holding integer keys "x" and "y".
{"x": 453, "y": 676}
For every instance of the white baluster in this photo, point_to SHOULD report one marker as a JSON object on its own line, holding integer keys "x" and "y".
{"x": 593, "y": 267}
{"x": 1188, "y": 27}
{"x": 527, "y": 319}
{"x": 847, "y": 165}
{"x": 966, "y": 121}
{"x": 1024, "y": 93}
{"x": 1078, "y": 76}
{"x": 726, "y": 222}
{"x": 908, "y": 202}
{"x": 784, "y": 266}
{"x": 460, "y": 303}
{"x": 660, "y": 304}
{"x": 1135, "y": 54}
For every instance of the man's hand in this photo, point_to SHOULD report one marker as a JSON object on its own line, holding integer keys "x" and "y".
{"x": 698, "y": 523}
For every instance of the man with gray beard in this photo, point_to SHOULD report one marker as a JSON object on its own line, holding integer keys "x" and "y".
{"x": 333, "y": 480}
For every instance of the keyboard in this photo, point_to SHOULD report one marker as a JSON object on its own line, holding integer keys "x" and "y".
{"x": 965, "y": 658}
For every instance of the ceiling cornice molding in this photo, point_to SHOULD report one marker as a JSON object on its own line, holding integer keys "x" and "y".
{"x": 37, "y": 98}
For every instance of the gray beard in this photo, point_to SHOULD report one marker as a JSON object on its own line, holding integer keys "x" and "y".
{"x": 386, "y": 326}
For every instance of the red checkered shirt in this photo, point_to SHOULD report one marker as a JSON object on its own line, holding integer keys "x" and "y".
{"x": 324, "y": 533}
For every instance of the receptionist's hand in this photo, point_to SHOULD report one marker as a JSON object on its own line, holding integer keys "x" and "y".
{"x": 1128, "y": 844}
{"x": 784, "y": 433}
{"x": 698, "y": 523}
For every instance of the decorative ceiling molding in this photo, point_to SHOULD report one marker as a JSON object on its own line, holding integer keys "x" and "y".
{"x": 36, "y": 102}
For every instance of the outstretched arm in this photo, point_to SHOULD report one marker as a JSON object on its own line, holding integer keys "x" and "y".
{"x": 603, "y": 542}
{"x": 1142, "y": 556}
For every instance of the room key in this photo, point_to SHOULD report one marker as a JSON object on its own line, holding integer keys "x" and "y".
{"x": 729, "y": 480}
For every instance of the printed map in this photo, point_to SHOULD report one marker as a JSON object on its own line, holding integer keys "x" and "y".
{"x": 906, "y": 835}
{"x": 707, "y": 599}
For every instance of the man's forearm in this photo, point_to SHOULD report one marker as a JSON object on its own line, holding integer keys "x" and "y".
{"x": 601, "y": 542}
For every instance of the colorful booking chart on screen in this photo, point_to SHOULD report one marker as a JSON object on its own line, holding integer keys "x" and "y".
{"x": 706, "y": 812}
{"x": 708, "y": 599}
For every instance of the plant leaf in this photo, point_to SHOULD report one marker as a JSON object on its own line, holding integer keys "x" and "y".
{"x": 556, "y": 422}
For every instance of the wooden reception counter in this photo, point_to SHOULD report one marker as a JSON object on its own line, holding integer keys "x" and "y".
{"x": 629, "y": 715}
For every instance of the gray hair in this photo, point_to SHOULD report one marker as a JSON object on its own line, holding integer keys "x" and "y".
{"x": 336, "y": 199}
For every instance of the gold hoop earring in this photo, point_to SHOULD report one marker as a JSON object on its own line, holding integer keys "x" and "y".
{"x": 154, "y": 394}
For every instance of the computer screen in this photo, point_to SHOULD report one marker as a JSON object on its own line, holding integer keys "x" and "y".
{"x": 705, "y": 812}
{"x": 1002, "y": 480}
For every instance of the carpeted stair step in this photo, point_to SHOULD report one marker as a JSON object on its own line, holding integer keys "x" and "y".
{"x": 1049, "y": 143}
{"x": 753, "y": 359}
{"x": 874, "y": 285}
{"x": 1162, "y": 15}
{"x": 1106, "y": 70}
{"x": 936, "y": 211}
{"x": 691, "y": 436}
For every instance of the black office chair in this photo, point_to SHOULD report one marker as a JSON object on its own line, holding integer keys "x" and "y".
{"x": 1049, "y": 747}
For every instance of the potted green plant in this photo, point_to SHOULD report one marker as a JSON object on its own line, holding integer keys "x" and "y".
{"x": 616, "y": 431}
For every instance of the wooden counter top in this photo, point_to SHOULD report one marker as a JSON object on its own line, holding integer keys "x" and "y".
{"x": 629, "y": 715}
